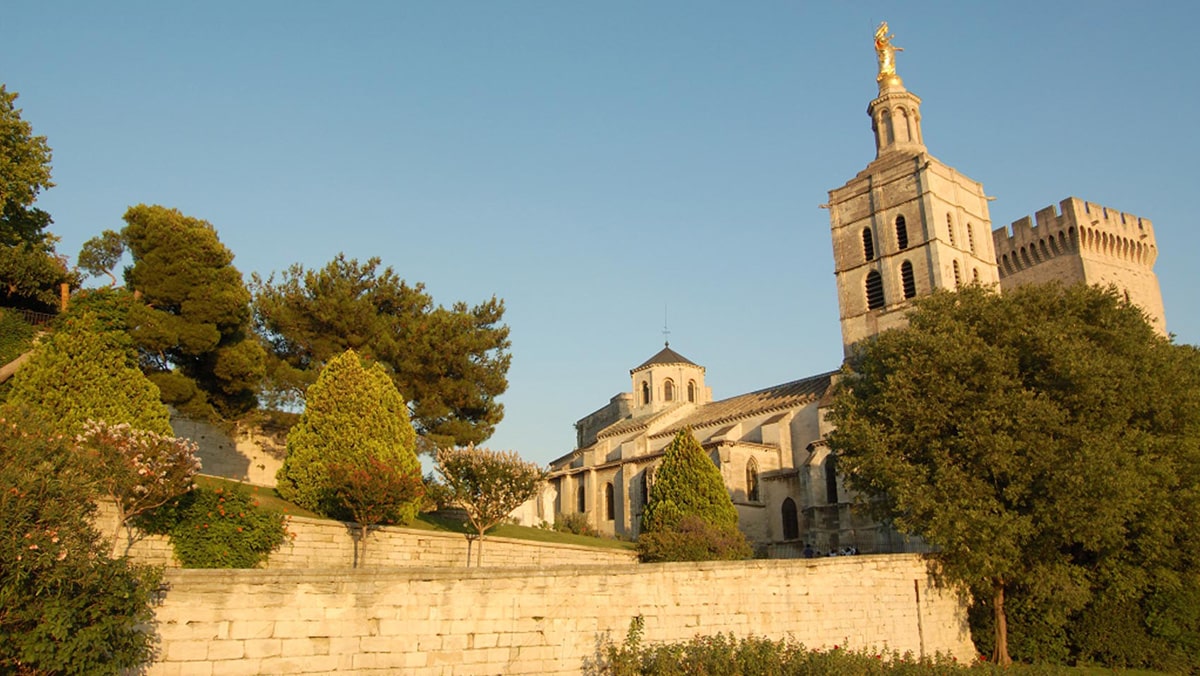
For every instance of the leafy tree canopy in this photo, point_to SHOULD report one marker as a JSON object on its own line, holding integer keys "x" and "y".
{"x": 30, "y": 272}
{"x": 353, "y": 413}
{"x": 101, "y": 254}
{"x": 1046, "y": 442}
{"x": 84, "y": 372}
{"x": 449, "y": 363}
{"x": 192, "y": 329}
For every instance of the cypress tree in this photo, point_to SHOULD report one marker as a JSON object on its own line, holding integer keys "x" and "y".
{"x": 353, "y": 413}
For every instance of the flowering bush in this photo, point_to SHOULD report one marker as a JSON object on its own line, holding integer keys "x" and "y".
{"x": 140, "y": 470}
{"x": 218, "y": 528}
{"x": 65, "y": 606}
{"x": 488, "y": 484}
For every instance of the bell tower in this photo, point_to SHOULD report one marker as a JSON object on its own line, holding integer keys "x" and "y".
{"x": 906, "y": 224}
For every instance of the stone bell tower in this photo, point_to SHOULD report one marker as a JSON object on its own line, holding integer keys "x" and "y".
{"x": 906, "y": 224}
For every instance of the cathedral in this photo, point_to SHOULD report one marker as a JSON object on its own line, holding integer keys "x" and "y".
{"x": 905, "y": 225}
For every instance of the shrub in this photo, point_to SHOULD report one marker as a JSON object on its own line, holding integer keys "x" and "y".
{"x": 16, "y": 336}
{"x": 65, "y": 607}
{"x": 353, "y": 412}
{"x": 693, "y": 539}
{"x": 574, "y": 523}
{"x": 218, "y": 528}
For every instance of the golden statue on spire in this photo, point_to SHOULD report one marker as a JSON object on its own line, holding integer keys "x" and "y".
{"x": 885, "y": 51}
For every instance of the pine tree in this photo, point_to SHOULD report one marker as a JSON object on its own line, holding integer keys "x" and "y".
{"x": 353, "y": 413}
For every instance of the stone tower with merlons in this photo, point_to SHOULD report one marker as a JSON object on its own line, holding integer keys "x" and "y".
{"x": 906, "y": 224}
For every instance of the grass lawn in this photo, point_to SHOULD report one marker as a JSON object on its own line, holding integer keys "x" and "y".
{"x": 270, "y": 499}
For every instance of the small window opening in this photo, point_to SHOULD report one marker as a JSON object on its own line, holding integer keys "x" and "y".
{"x": 752, "y": 480}
{"x": 901, "y": 233}
{"x": 875, "y": 298}
{"x": 610, "y": 507}
{"x": 868, "y": 245}
{"x": 906, "y": 279}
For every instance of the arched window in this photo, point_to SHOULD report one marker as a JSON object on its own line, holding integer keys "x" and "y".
{"x": 868, "y": 245}
{"x": 950, "y": 228}
{"x": 582, "y": 499}
{"x": 645, "y": 393}
{"x": 669, "y": 390}
{"x": 692, "y": 391}
{"x": 970, "y": 238}
{"x": 906, "y": 279}
{"x": 831, "y": 491}
{"x": 610, "y": 506}
{"x": 752, "y": 480}
{"x": 874, "y": 290}
{"x": 957, "y": 276}
{"x": 901, "y": 233}
{"x": 791, "y": 524}
{"x": 975, "y": 275}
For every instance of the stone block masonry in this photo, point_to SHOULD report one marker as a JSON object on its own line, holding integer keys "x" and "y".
{"x": 547, "y": 620}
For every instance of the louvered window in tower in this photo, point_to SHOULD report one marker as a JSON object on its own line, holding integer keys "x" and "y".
{"x": 901, "y": 233}
{"x": 906, "y": 279}
{"x": 874, "y": 290}
{"x": 970, "y": 238}
{"x": 957, "y": 276}
{"x": 868, "y": 245}
{"x": 950, "y": 229}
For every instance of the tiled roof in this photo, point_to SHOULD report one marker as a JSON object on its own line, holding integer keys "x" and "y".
{"x": 622, "y": 427}
{"x": 665, "y": 356}
{"x": 780, "y": 397}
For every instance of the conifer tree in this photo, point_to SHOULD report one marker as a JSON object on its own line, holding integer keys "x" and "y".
{"x": 689, "y": 515}
{"x": 83, "y": 372}
{"x": 352, "y": 414}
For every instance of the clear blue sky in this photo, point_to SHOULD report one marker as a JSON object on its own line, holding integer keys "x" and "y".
{"x": 593, "y": 164}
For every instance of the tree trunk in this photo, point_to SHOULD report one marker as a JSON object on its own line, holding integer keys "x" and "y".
{"x": 1000, "y": 622}
{"x": 479, "y": 552}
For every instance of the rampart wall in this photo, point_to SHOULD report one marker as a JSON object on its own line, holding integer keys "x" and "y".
{"x": 537, "y": 620}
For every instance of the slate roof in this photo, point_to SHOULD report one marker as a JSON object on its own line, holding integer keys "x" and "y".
{"x": 665, "y": 356}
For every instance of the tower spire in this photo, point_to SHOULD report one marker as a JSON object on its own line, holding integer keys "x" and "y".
{"x": 896, "y": 112}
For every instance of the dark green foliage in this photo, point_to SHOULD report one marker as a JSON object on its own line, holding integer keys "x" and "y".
{"x": 83, "y": 372}
{"x": 693, "y": 539}
{"x": 352, "y": 414}
{"x": 1048, "y": 443}
{"x": 449, "y": 363}
{"x": 194, "y": 320}
{"x": 217, "y": 528}
{"x": 65, "y": 607}
{"x": 33, "y": 276}
{"x": 689, "y": 515}
{"x": 16, "y": 336}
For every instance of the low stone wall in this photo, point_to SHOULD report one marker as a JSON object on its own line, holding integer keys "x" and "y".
{"x": 537, "y": 620}
{"x": 329, "y": 544}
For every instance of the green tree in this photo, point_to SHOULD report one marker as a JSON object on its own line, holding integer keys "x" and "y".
{"x": 101, "y": 254}
{"x": 488, "y": 484}
{"x": 689, "y": 514}
{"x": 30, "y": 272}
{"x": 373, "y": 493}
{"x": 1044, "y": 442}
{"x": 83, "y": 372}
{"x": 193, "y": 328}
{"x": 451, "y": 363}
{"x": 65, "y": 606}
{"x": 352, "y": 414}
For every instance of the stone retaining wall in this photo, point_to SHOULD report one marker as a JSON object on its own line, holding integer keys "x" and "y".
{"x": 537, "y": 620}
{"x": 329, "y": 544}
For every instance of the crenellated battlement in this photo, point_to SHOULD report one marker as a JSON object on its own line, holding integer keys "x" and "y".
{"x": 1071, "y": 227}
